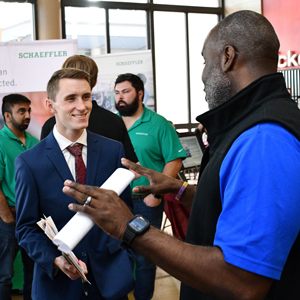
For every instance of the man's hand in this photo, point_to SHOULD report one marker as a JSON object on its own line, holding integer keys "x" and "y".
{"x": 67, "y": 268}
{"x": 106, "y": 209}
{"x": 5, "y": 213}
{"x": 159, "y": 183}
{"x": 8, "y": 218}
{"x": 151, "y": 201}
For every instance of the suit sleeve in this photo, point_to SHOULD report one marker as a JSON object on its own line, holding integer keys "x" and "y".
{"x": 29, "y": 235}
{"x": 128, "y": 147}
{"x": 126, "y": 196}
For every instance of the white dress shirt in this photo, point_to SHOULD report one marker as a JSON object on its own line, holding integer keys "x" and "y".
{"x": 63, "y": 143}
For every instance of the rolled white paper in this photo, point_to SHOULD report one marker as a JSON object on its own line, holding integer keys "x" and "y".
{"x": 75, "y": 230}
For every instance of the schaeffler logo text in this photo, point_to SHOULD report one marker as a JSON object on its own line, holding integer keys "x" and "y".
{"x": 289, "y": 60}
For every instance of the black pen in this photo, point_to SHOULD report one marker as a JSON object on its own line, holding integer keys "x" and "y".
{"x": 83, "y": 277}
{"x": 84, "y": 286}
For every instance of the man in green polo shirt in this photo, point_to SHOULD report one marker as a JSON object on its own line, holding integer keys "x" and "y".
{"x": 13, "y": 141}
{"x": 157, "y": 147}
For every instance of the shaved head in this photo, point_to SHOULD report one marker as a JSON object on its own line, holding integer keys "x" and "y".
{"x": 250, "y": 33}
{"x": 240, "y": 49}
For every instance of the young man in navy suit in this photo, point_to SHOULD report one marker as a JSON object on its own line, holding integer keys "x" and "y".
{"x": 40, "y": 176}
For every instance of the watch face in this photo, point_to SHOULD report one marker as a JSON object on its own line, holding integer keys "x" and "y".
{"x": 138, "y": 224}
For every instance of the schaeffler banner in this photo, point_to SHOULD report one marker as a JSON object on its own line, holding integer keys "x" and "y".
{"x": 111, "y": 65}
{"x": 27, "y": 66}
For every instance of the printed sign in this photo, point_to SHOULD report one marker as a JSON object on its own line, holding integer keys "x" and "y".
{"x": 111, "y": 65}
{"x": 27, "y": 66}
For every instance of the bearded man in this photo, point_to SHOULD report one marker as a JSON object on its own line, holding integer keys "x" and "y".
{"x": 157, "y": 147}
{"x": 13, "y": 141}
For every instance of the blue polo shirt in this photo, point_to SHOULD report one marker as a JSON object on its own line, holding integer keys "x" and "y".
{"x": 260, "y": 219}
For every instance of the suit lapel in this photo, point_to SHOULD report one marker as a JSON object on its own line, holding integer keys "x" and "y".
{"x": 57, "y": 158}
{"x": 93, "y": 157}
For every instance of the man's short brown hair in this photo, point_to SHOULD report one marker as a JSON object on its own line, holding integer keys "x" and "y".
{"x": 85, "y": 63}
{"x": 70, "y": 73}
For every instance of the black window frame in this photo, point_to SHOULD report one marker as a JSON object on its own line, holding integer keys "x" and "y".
{"x": 34, "y": 13}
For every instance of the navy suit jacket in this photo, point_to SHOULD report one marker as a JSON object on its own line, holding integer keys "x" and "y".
{"x": 40, "y": 175}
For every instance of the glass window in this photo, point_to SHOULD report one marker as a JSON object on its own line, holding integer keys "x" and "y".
{"x": 178, "y": 94}
{"x": 87, "y": 25}
{"x": 204, "y": 3}
{"x": 127, "y": 29}
{"x": 171, "y": 66}
{"x": 197, "y": 37}
{"x": 16, "y": 22}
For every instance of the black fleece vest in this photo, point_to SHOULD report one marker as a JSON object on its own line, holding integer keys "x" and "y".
{"x": 264, "y": 100}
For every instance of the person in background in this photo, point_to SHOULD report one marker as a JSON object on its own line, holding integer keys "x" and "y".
{"x": 201, "y": 134}
{"x": 14, "y": 140}
{"x": 176, "y": 212}
{"x": 157, "y": 147}
{"x": 70, "y": 151}
{"x": 243, "y": 237}
{"x": 146, "y": 94}
{"x": 102, "y": 121}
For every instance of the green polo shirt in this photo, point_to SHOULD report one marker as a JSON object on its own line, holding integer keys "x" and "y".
{"x": 10, "y": 148}
{"x": 155, "y": 142}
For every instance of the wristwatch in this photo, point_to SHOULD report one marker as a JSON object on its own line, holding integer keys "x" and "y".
{"x": 138, "y": 225}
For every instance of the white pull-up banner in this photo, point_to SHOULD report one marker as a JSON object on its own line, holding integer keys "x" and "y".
{"x": 28, "y": 66}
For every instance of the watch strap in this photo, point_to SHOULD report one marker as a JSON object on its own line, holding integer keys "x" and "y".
{"x": 128, "y": 236}
{"x": 157, "y": 196}
{"x": 130, "y": 233}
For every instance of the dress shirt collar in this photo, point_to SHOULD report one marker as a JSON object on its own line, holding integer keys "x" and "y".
{"x": 63, "y": 142}
{"x": 10, "y": 134}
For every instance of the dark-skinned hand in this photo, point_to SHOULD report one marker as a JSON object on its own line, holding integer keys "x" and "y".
{"x": 159, "y": 183}
{"x": 106, "y": 209}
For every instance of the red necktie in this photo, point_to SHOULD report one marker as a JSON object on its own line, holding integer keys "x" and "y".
{"x": 80, "y": 168}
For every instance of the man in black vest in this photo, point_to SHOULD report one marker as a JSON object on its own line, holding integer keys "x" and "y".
{"x": 243, "y": 235}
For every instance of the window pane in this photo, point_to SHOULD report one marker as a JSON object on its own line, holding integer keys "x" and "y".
{"x": 87, "y": 24}
{"x": 16, "y": 22}
{"x": 199, "y": 27}
{"x": 204, "y": 3}
{"x": 171, "y": 68}
{"x": 127, "y": 29}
